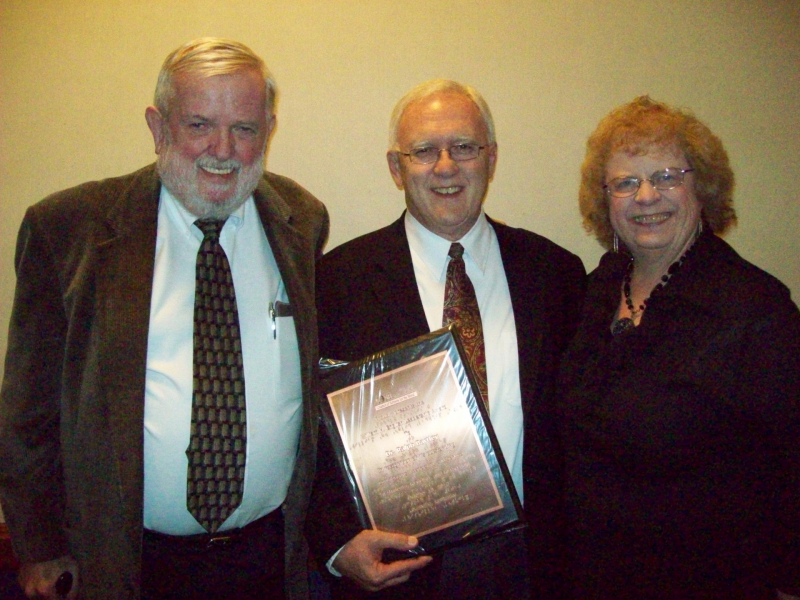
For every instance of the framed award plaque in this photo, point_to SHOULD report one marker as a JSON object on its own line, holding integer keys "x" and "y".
{"x": 416, "y": 446}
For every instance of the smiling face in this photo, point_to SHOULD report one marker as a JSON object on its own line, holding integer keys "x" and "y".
{"x": 211, "y": 145}
{"x": 445, "y": 196}
{"x": 654, "y": 225}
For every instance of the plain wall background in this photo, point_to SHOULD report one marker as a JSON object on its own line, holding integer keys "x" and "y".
{"x": 76, "y": 76}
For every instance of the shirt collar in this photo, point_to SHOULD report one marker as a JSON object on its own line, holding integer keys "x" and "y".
{"x": 180, "y": 216}
{"x": 433, "y": 249}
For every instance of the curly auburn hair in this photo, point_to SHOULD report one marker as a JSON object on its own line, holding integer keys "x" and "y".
{"x": 644, "y": 125}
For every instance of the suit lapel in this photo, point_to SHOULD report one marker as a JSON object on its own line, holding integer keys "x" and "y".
{"x": 291, "y": 251}
{"x": 394, "y": 287}
{"x": 524, "y": 288}
{"x": 295, "y": 256}
{"x": 394, "y": 284}
{"x": 125, "y": 262}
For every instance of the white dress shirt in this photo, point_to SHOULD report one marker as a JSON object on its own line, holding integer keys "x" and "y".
{"x": 271, "y": 369}
{"x": 429, "y": 255}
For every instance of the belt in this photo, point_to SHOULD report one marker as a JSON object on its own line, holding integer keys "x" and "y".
{"x": 220, "y": 538}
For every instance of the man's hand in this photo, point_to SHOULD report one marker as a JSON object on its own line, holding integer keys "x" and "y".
{"x": 38, "y": 580}
{"x": 360, "y": 559}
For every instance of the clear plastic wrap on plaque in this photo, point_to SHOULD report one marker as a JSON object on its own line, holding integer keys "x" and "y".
{"x": 416, "y": 446}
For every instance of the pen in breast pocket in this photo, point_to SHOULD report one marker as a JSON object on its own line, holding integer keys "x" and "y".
{"x": 272, "y": 317}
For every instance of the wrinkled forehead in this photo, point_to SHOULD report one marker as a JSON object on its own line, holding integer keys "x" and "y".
{"x": 243, "y": 85}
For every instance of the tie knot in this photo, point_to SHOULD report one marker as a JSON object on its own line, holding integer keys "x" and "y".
{"x": 210, "y": 227}
{"x": 456, "y": 250}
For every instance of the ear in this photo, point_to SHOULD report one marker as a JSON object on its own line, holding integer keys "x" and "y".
{"x": 158, "y": 127}
{"x": 393, "y": 158}
{"x": 492, "y": 154}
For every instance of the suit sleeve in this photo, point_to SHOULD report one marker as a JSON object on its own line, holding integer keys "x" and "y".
{"x": 331, "y": 521}
{"x": 765, "y": 366}
{"x": 544, "y": 468}
{"x": 31, "y": 487}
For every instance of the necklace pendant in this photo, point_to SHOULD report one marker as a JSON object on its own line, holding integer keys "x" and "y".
{"x": 622, "y": 325}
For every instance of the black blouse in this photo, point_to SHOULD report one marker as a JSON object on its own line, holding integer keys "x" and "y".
{"x": 682, "y": 435}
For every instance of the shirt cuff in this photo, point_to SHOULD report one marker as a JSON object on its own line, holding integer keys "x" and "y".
{"x": 329, "y": 564}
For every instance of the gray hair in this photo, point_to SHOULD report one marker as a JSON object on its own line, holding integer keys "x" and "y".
{"x": 435, "y": 86}
{"x": 208, "y": 57}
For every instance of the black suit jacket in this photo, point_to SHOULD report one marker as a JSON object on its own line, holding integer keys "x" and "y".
{"x": 367, "y": 301}
{"x": 72, "y": 403}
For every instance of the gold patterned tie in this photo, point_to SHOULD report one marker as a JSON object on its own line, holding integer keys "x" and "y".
{"x": 218, "y": 437}
{"x": 461, "y": 308}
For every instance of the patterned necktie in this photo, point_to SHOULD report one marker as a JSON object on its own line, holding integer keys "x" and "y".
{"x": 216, "y": 450}
{"x": 461, "y": 308}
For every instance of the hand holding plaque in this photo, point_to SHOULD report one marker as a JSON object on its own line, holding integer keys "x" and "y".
{"x": 416, "y": 446}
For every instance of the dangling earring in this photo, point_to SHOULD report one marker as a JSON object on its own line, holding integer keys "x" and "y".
{"x": 616, "y": 243}
{"x": 699, "y": 228}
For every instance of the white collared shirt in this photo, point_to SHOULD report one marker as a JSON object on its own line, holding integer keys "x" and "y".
{"x": 429, "y": 255}
{"x": 271, "y": 369}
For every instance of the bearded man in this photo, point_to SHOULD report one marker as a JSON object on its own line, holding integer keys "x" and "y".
{"x": 157, "y": 424}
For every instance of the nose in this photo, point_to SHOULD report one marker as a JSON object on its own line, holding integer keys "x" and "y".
{"x": 222, "y": 144}
{"x": 647, "y": 193}
{"x": 444, "y": 164}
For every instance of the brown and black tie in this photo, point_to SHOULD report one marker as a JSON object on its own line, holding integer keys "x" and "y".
{"x": 461, "y": 308}
{"x": 218, "y": 437}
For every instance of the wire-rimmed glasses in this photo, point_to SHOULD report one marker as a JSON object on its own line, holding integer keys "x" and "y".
{"x": 668, "y": 179}
{"x": 426, "y": 155}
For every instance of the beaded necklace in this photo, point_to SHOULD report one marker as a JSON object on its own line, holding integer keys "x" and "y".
{"x": 624, "y": 324}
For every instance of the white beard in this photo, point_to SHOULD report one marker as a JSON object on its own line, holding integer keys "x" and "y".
{"x": 180, "y": 176}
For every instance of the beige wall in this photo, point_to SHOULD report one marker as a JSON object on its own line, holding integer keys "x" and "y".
{"x": 76, "y": 75}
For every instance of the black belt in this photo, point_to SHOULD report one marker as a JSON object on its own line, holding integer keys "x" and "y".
{"x": 220, "y": 538}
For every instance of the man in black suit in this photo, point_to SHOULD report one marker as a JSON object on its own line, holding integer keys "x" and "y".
{"x": 388, "y": 287}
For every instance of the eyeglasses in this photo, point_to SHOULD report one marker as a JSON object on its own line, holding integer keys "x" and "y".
{"x": 668, "y": 179}
{"x": 458, "y": 152}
